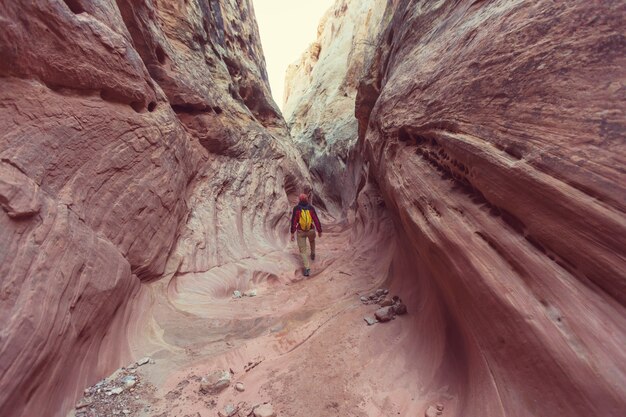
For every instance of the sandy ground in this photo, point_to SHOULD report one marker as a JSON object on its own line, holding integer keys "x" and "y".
{"x": 316, "y": 354}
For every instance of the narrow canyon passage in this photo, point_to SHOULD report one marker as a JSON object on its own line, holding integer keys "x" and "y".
{"x": 467, "y": 156}
{"x": 318, "y": 356}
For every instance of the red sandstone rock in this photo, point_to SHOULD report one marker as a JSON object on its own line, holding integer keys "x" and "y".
{"x": 145, "y": 175}
{"x": 264, "y": 410}
{"x": 319, "y": 96}
{"x": 113, "y": 114}
{"x": 384, "y": 314}
{"x": 19, "y": 196}
{"x": 497, "y": 139}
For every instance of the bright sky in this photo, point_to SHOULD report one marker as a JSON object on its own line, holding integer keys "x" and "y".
{"x": 287, "y": 28}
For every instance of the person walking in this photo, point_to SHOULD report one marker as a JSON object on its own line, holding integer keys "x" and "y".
{"x": 305, "y": 222}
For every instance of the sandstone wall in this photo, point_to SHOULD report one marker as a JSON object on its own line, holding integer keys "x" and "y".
{"x": 496, "y": 133}
{"x": 116, "y": 115}
{"x": 320, "y": 89}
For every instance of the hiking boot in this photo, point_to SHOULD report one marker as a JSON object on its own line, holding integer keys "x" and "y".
{"x": 307, "y": 272}
{"x": 312, "y": 256}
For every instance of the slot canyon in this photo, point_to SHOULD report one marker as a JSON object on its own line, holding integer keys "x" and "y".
{"x": 466, "y": 156}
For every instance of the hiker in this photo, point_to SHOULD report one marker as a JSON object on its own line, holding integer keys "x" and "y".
{"x": 304, "y": 220}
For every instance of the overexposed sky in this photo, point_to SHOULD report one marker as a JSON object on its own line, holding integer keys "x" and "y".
{"x": 287, "y": 28}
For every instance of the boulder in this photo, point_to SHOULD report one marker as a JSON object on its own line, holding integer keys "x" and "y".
{"x": 215, "y": 382}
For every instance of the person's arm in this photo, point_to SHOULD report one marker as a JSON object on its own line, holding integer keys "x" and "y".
{"x": 316, "y": 220}
{"x": 294, "y": 221}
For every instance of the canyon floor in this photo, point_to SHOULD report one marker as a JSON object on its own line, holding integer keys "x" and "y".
{"x": 316, "y": 355}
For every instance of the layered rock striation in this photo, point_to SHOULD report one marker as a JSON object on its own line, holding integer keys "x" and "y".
{"x": 320, "y": 90}
{"x": 145, "y": 175}
{"x": 116, "y": 117}
{"x": 496, "y": 134}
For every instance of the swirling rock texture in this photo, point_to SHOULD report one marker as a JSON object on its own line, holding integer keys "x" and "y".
{"x": 146, "y": 175}
{"x": 114, "y": 115}
{"x": 496, "y": 131}
{"x": 320, "y": 90}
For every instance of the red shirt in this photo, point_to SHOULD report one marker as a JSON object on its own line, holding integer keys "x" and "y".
{"x": 295, "y": 217}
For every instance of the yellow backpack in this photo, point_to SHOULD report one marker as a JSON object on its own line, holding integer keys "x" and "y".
{"x": 306, "y": 221}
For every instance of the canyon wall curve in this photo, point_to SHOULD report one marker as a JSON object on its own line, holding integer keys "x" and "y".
{"x": 113, "y": 120}
{"x": 495, "y": 131}
{"x": 320, "y": 90}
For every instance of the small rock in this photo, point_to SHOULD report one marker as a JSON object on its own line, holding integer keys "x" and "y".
{"x": 370, "y": 320}
{"x": 116, "y": 391}
{"x": 385, "y": 291}
{"x": 250, "y": 293}
{"x": 364, "y": 299}
{"x": 236, "y": 294}
{"x": 264, "y": 410}
{"x": 83, "y": 403}
{"x": 439, "y": 407}
{"x": 386, "y": 303}
{"x": 384, "y": 314}
{"x": 215, "y": 382}
{"x": 252, "y": 364}
{"x": 400, "y": 308}
{"x": 229, "y": 410}
{"x": 136, "y": 397}
{"x": 239, "y": 387}
{"x": 379, "y": 292}
{"x": 129, "y": 381}
{"x": 143, "y": 361}
{"x": 431, "y": 412}
{"x": 126, "y": 411}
